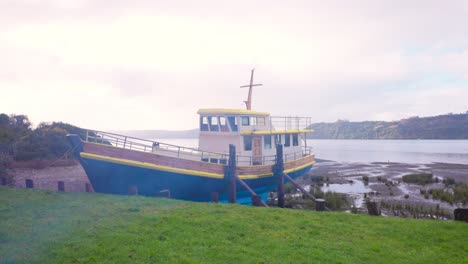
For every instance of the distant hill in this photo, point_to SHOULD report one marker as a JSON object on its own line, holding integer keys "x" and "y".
{"x": 449, "y": 126}
{"x": 158, "y": 134}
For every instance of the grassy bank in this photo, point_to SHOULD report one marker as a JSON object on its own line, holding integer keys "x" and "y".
{"x": 47, "y": 227}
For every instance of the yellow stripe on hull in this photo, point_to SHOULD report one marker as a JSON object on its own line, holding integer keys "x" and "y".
{"x": 256, "y": 176}
{"x": 182, "y": 171}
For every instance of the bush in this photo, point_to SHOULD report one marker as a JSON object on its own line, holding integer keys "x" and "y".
{"x": 365, "y": 179}
{"x": 418, "y": 178}
{"x": 335, "y": 201}
{"x": 289, "y": 188}
{"x": 449, "y": 182}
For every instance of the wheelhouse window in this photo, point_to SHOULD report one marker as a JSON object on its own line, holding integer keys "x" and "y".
{"x": 245, "y": 121}
{"x": 295, "y": 138}
{"x": 287, "y": 140}
{"x": 223, "y": 124}
{"x": 261, "y": 121}
{"x": 213, "y": 123}
{"x": 267, "y": 142}
{"x": 253, "y": 121}
{"x": 233, "y": 123}
{"x": 203, "y": 123}
{"x": 247, "y": 143}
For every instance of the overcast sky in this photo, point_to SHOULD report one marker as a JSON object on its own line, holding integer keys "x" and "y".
{"x": 149, "y": 64}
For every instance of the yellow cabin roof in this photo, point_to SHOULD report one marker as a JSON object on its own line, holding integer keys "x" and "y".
{"x": 223, "y": 111}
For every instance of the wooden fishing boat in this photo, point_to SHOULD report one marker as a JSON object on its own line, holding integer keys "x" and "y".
{"x": 118, "y": 164}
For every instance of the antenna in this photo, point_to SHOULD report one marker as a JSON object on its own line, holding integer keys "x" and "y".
{"x": 248, "y": 103}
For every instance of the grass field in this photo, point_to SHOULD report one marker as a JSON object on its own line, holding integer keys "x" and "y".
{"x": 48, "y": 227}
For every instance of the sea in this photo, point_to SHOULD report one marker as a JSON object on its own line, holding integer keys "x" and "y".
{"x": 367, "y": 151}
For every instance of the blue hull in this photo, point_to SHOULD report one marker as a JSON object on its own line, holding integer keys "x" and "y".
{"x": 114, "y": 178}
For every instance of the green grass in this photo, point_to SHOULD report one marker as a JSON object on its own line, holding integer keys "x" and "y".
{"x": 49, "y": 227}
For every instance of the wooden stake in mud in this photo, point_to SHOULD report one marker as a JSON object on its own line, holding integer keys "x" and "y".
{"x": 231, "y": 174}
{"x": 278, "y": 172}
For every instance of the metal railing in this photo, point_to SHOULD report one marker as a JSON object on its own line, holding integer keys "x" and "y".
{"x": 279, "y": 123}
{"x": 144, "y": 145}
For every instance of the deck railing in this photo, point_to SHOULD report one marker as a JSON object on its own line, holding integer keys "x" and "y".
{"x": 144, "y": 145}
{"x": 279, "y": 123}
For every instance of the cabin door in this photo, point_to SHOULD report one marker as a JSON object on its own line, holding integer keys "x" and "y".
{"x": 256, "y": 150}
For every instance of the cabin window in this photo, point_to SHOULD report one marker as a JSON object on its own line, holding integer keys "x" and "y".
{"x": 267, "y": 142}
{"x": 287, "y": 140}
{"x": 213, "y": 123}
{"x": 247, "y": 143}
{"x": 261, "y": 121}
{"x": 245, "y": 121}
{"x": 233, "y": 123}
{"x": 203, "y": 123}
{"x": 278, "y": 139}
{"x": 295, "y": 139}
{"x": 223, "y": 124}
{"x": 253, "y": 121}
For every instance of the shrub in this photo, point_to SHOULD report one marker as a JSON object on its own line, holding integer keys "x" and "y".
{"x": 335, "y": 201}
{"x": 289, "y": 188}
{"x": 449, "y": 182}
{"x": 418, "y": 178}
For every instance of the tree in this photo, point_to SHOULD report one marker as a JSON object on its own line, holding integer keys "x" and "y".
{"x": 4, "y": 120}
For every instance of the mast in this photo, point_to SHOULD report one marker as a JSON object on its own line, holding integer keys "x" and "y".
{"x": 248, "y": 103}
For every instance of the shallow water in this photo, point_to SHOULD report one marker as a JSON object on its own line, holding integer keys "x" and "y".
{"x": 405, "y": 151}
{"x": 357, "y": 187}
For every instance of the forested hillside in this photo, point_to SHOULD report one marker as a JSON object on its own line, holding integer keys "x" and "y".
{"x": 450, "y": 126}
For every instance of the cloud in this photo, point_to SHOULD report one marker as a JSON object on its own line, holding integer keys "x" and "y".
{"x": 153, "y": 63}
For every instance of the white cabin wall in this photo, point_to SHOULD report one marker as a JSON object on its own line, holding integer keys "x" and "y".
{"x": 219, "y": 141}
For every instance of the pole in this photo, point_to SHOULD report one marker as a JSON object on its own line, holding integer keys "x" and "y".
{"x": 278, "y": 172}
{"x": 231, "y": 174}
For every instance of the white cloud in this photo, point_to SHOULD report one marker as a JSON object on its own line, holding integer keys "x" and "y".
{"x": 153, "y": 63}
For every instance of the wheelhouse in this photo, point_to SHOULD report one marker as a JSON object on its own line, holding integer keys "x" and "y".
{"x": 255, "y": 134}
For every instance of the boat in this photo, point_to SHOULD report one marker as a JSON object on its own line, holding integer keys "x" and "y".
{"x": 120, "y": 164}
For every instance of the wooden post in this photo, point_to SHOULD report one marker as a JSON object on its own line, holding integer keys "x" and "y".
{"x": 372, "y": 207}
{"x": 88, "y": 187}
{"x": 252, "y": 193}
{"x": 278, "y": 172}
{"x": 306, "y": 193}
{"x": 214, "y": 197}
{"x": 29, "y": 183}
{"x": 320, "y": 205}
{"x": 133, "y": 190}
{"x": 231, "y": 174}
{"x": 61, "y": 186}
